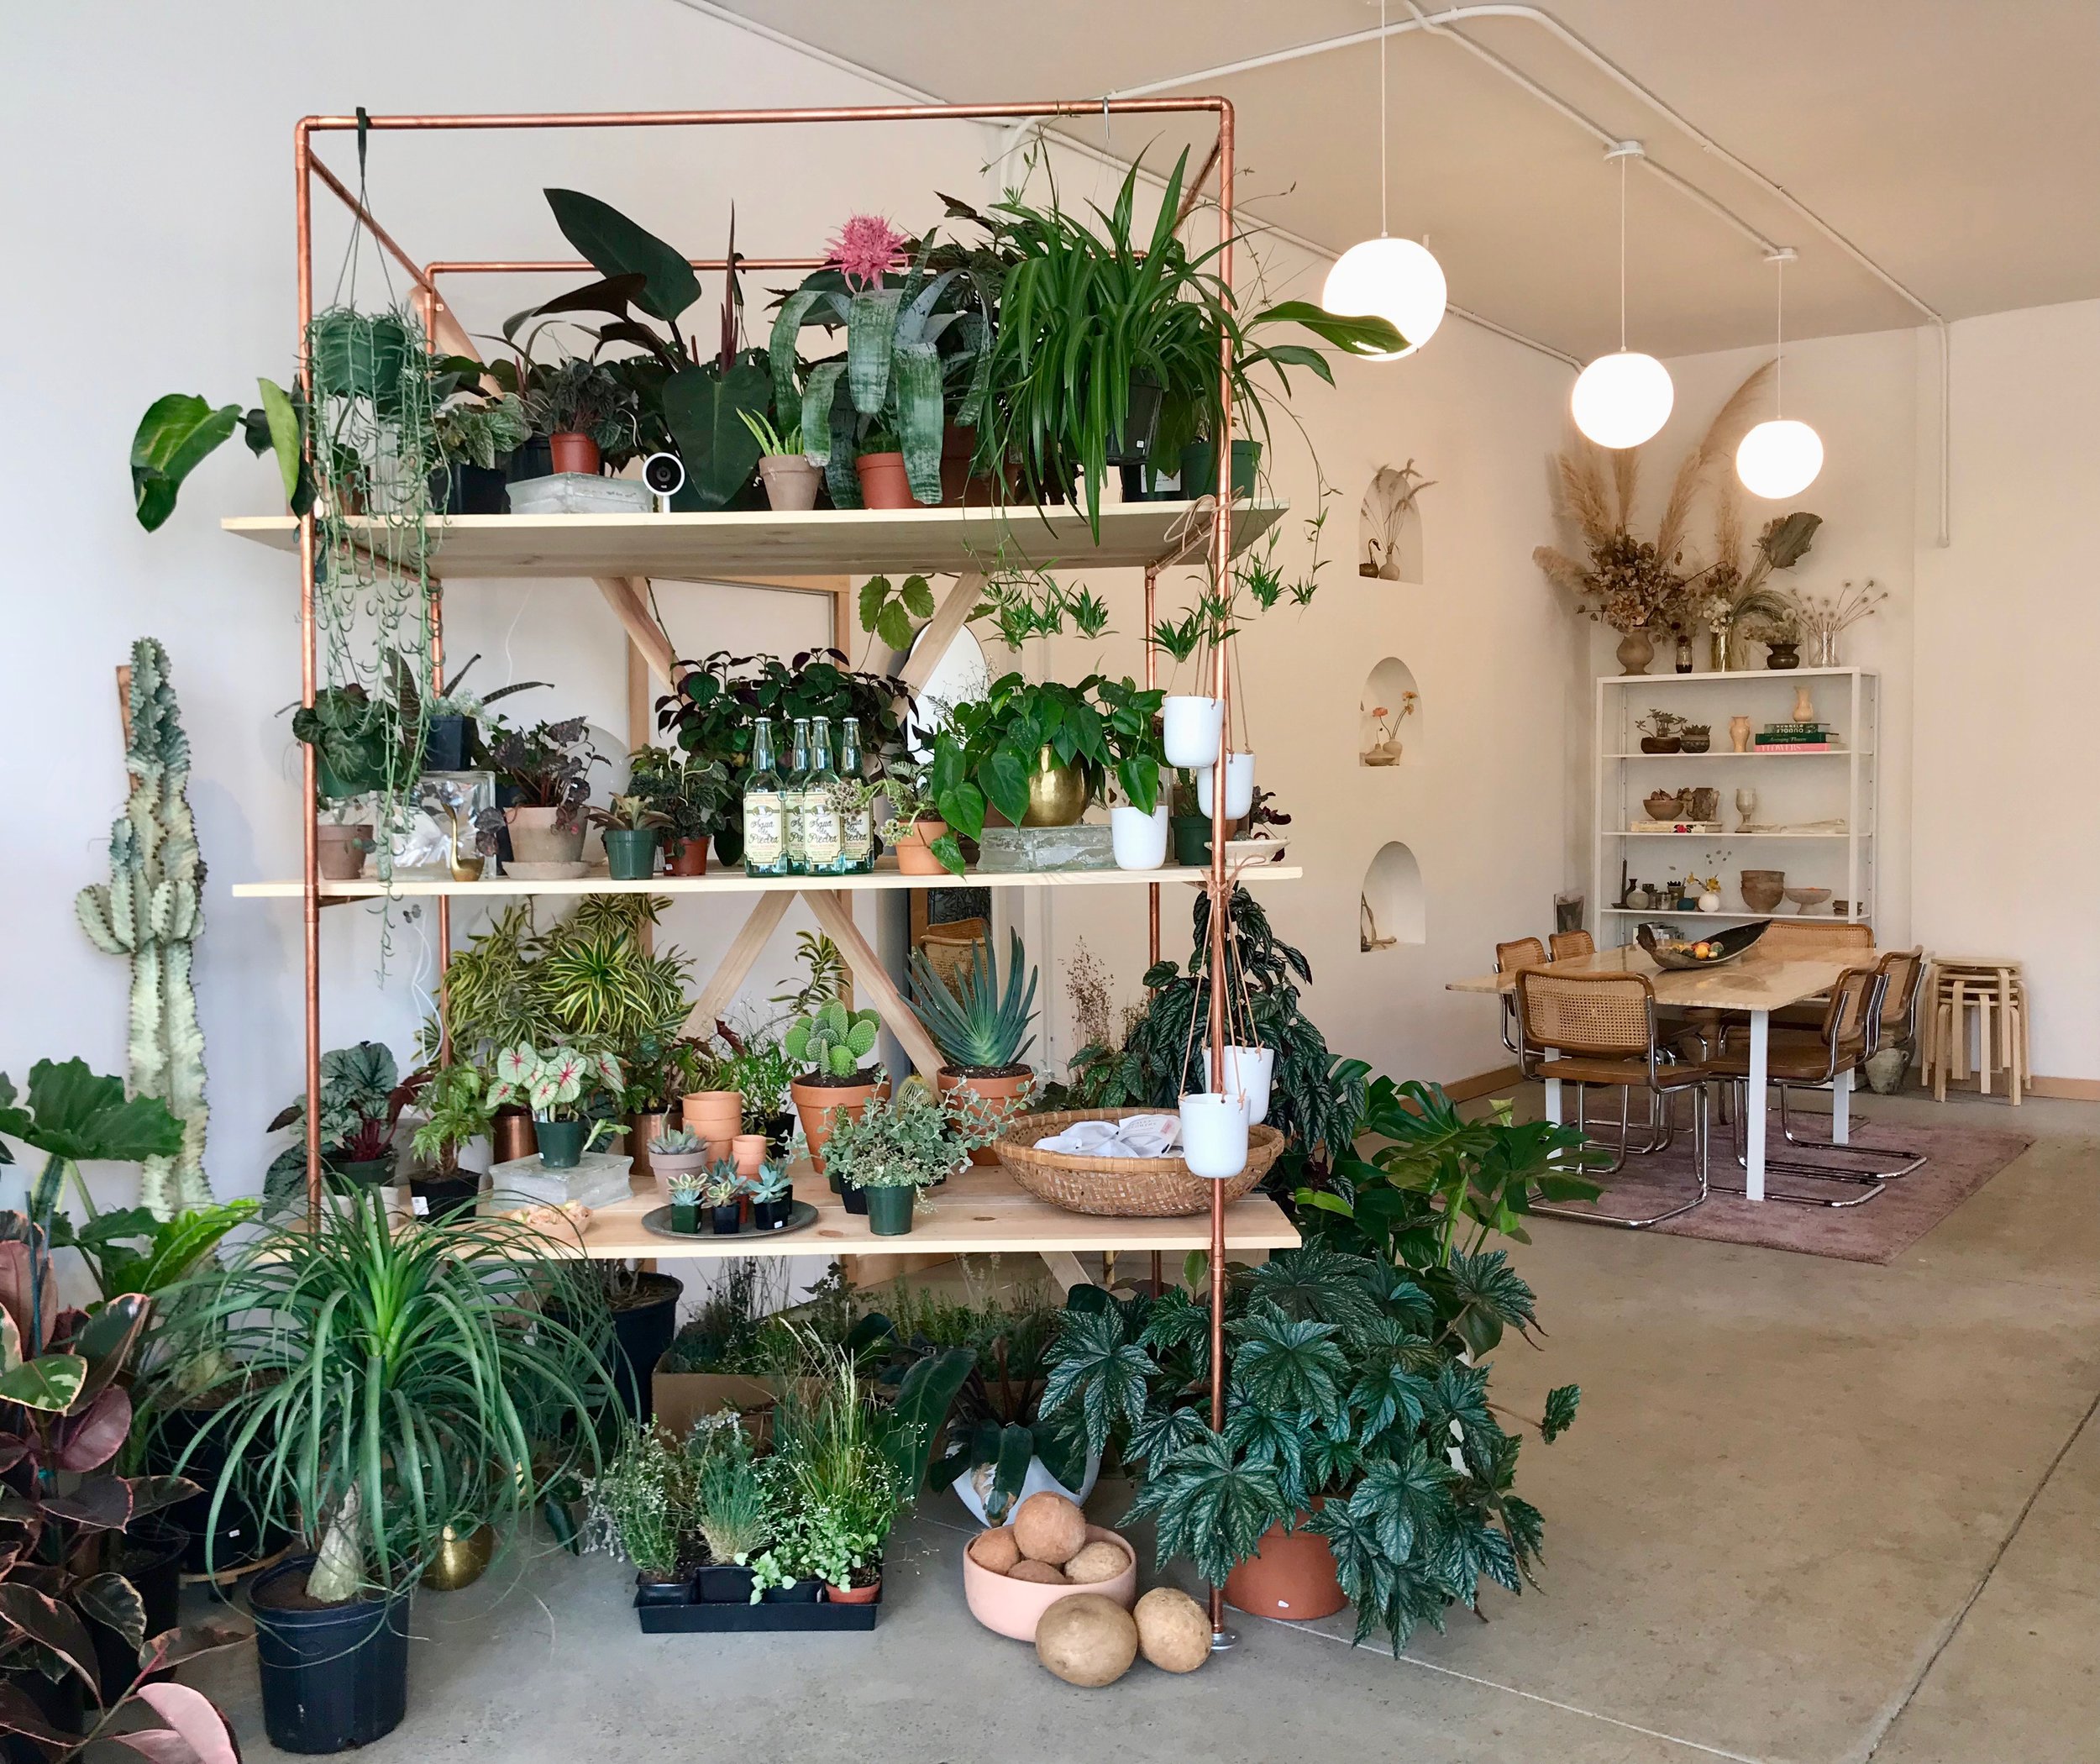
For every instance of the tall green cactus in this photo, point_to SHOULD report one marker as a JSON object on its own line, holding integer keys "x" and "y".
{"x": 151, "y": 909}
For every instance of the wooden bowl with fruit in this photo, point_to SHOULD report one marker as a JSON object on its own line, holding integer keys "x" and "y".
{"x": 1674, "y": 949}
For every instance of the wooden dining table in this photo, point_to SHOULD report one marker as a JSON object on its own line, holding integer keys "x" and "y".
{"x": 1754, "y": 983}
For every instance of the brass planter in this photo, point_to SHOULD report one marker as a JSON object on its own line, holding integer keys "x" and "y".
{"x": 460, "y": 1561}
{"x": 1057, "y": 793}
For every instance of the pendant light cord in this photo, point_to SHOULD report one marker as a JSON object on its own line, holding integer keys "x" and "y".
{"x": 1779, "y": 341}
{"x": 1622, "y": 257}
{"x": 1383, "y": 231}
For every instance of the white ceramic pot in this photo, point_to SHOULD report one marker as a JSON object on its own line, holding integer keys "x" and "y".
{"x": 1239, "y": 786}
{"x": 972, "y": 1486}
{"x": 1194, "y": 727}
{"x": 1248, "y": 1073}
{"x": 1709, "y": 901}
{"x": 1140, "y": 839}
{"x": 1213, "y": 1135}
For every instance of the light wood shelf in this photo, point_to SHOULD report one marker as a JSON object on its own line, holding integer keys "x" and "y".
{"x": 707, "y": 547}
{"x": 735, "y": 882}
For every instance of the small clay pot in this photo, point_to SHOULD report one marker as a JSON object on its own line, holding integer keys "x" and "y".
{"x": 914, "y": 847}
{"x": 576, "y": 452}
{"x": 717, "y": 1116}
{"x": 999, "y": 1090}
{"x": 883, "y": 482}
{"x": 689, "y": 860}
{"x": 791, "y": 482}
{"x": 536, "y": 839}
{"x": 749, "y": 1149}
{"x": 340, "y": 851}
{"x": 665, "y": 1165}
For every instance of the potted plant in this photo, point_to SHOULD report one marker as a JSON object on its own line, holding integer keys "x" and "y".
{"x": 630, "y": 827}
{"x": 658, "y": 1067}
{"x": 362, "y": 1098}
{"x": 676, "y": 1153}
{"x": 878, "y": 464}
{"x": 474, "y": 1397}
{"x": 695, "y": 798}
{"x": 723, "y": 1199}
{"x": 562, "y": 1087}
{"x": 981, "y": 1028}
{"x": 901, "y": 1143}
{"x": 731, "y": 1509}
{"x": 714, "y": 1108}
{"x": 759, "y": 1069}
{"x": 359, "y": 749}
{"x": 545, "y": 771}
{"x": 1695, "y": 737}
{"x": 582, "y": 409}
{"x": 834, "y": 1488}
{"x": 829, "y": 1045}
{"x": 1662, "y": 732}
{"x": 641, "y": 1503}
{"x": 457, "y": 1111}
{"x": 914, "y": 829}
{"x": 685, "y": 1187}
{"x": 1193, "y": 723}
{"x": 452, "y": 741}
{"x": 791, "y": 478}
{"x": 772, "y": 1196}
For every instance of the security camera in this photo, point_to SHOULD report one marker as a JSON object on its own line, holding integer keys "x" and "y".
{"x": 665, "y": 475}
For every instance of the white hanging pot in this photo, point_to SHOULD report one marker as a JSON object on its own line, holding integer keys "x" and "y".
{"x": 1239, "y": 786}
{"x": 1248, "y": 1073}
{"x": 1213, "y": 1135}
{"x": 1140, "y": 839}
{"x": 1194, "y": 727}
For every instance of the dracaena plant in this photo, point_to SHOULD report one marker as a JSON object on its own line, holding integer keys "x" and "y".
{"x": 1347, "y": 1389}
{"x": 979, "y": 1023}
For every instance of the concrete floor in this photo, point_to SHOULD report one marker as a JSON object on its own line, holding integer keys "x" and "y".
{"x": 1812, "y": 1511}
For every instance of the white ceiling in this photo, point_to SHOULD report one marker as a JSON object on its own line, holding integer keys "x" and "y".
{"x": 1957, "y": 143}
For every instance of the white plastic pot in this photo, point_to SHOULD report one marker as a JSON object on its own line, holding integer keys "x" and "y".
{"x": 1248, "y": 1073}
{"x": 1239, "y": 786}
{"x": 1194, "y": 727}
{"x": 1140, "y": 839}
{"x": 972, "y": 1485}
{"x": 1213, "y": 1135}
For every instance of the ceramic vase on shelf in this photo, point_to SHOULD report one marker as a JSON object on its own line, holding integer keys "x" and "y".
{"x": 1739, "y": 733}
{"x": 1636, "y": 649}
{"x": 1779, "y": 656}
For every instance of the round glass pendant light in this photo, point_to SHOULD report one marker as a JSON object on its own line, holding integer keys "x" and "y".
{"x": 1622, "y": 400}
{"x": 1780, "y": 458}
{"x": 1393, "y": 279}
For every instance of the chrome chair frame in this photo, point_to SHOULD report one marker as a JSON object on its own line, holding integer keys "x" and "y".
{"x": 1913, "y": 1161}
{"x": 1658, "y": 1130}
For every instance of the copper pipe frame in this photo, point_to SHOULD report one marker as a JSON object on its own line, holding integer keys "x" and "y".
{"x": 305, "y": 166}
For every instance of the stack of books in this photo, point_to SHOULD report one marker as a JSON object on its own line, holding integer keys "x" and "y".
{"x": 1797, "y": 738}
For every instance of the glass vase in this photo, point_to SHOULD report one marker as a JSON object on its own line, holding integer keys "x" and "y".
{"x": 1717, "y": 650}
{"x": 1824, "y": 649}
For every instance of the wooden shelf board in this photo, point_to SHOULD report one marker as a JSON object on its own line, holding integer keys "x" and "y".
{"x": 735, "y": 882}
{"x": 708, "y": 547}
{"x": 982, "y": 1211}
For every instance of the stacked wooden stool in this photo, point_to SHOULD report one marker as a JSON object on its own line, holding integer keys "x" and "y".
{"x": 1995, "y": 991}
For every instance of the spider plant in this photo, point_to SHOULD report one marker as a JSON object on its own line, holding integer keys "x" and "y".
{"x": 979, "y": 1025}
{"x": 393, "y": 1384}
{"x": 773, "y": 444}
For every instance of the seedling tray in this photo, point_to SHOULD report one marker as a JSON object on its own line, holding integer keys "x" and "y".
{"x": 732, "y": 1619}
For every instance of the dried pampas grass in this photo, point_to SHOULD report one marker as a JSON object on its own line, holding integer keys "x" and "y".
{"x": 1583, "y": 493}
{"x": 1724, "y": 435}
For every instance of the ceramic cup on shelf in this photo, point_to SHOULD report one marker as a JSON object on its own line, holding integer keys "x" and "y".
{"x": 1193, "y": 729}
{"x": 1213, "y": 1135}
{"x": 1239, "y": 786}
{"x": 1140, "y": 839}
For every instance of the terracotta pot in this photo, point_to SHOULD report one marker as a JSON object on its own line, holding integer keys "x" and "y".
{"x": 853, "y": 1595}
{"x": 690, "y": 859}
{"x": 1014, "y": 1607}
{"x": 640, "y": 1131}
{"x": 1291, "y": 1574}
{"x": 818, "y": 1103}
{"x": 717, "y": 1116}
{"x": 340, "y": 851}
{"x": 957, "y": 445}
{"x": 513, "y": 1136}
{"x": 791, "y": 482}
{"x": 1762, "y": 888}
{"x": 574, "y": 452}
{"x": 667, "y": 1164}
{"x": 749, "y": 1149}
{"x": 998, "y": 1091}
{"x": 883, "y": 482}
{"x": 535, "y": 838}
{"x": 1636, "y": 649}
{"x": 914, "y": 849}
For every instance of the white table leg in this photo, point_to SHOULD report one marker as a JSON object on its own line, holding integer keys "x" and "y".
{"x": 1760, "y": 1035}
{"x": 1841, "y": 1108}
{"x": 1553, "y": 1101}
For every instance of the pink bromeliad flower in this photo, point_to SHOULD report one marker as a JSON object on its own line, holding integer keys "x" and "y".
{"x": 866, "y": 249}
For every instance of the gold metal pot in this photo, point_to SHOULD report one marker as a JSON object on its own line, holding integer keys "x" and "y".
{"x": 460, "y": 1561}
{"x": 513, "y": 1136}
{"x": 1056, "y": 794}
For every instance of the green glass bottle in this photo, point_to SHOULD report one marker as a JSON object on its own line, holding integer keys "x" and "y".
{"x": 856, "y": 826}
{"x": 765, "y": 808}
{"x": 798, "y": 767}
{"x": 820, "y": 851}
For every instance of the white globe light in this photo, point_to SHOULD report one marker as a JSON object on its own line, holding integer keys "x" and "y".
{"x": 1779, "y": 458}
{"x": 1621, "y": 400}
{"x": 1392, "y": 279}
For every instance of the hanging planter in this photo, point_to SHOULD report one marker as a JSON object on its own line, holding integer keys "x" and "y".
{"x": 1213, "y": 1135}
{"x": 1239, "y": 786}
{"x": 1248, "y": 1074}
{"x": 1194, "y": 728}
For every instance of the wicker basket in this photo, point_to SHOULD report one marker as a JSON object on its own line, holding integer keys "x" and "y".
{"x": 1121, "y": 1188}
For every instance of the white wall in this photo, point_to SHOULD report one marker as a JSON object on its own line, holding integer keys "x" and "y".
{"x": 152, "y": 211}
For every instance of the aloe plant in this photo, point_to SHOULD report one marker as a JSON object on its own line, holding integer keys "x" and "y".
{"x": 833, "y": 1040}
{"x": 980, "y": 1024}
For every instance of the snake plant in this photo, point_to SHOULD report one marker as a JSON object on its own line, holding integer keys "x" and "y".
{"x": 980, "y": 1024}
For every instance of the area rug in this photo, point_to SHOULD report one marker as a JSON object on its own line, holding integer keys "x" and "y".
{"x": 1960, "y": 1160}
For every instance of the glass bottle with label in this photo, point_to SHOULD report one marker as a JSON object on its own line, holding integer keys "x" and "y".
{"x": 820, "y": 807}
{"x": 856, "y": 826}
{"x": 765, "y": 808}
{"x": 791, "y": 796}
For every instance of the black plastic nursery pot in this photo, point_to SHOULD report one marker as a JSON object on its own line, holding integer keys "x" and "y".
{"x": 723, "y": 1584}
{"x": 1192, "y": 839}
{"x": 534, "y": 458}
{"x": 679, "y": 1591}
{"x": 770, "y": 1216}
{"x": 239, "y": 1540}
{"x": 62, "y": 1702}
{"x": 440, "y": 1198}
{"x": 560, "y": 1143}
{"x": 727, "y": 1219}
{"x": 333, "y": 1676}
{"x": 856, "y": 1198}
{"x": 148, "y": 1555}
{"x": 1200, "y": 469}
{"x": 640, "y": 1332}
{"x": 448, "y": 745}
{"x": 801, "y": 1592}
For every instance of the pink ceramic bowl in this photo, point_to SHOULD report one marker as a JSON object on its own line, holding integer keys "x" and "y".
{"x": 1014, "y": 1607}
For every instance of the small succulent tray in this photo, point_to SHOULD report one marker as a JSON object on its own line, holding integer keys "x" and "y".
{"x": 801, "y": 1216}
{"x": 711, "y": 1619}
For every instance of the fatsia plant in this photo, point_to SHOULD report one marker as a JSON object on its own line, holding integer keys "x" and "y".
{"x": 1352, "y": 1409}
{"x": 394, "y": 1383}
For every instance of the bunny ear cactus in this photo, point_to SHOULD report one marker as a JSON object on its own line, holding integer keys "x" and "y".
{"x": 833, "y": 1040}
{"x": 151, "y": 910}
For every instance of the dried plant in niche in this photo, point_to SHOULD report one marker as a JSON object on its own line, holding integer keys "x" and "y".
{"x": 1386, "y": 504}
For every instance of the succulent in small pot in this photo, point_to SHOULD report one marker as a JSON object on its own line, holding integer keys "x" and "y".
{"x": 631, "y": 828}
{"x": 772, "y": 1196}
{"x": 791, "y": 478}
{"x": 723, "y": 1199}
{"x": 1696, "y": 737}
{"x": 679, "y": 1151}
{"x": 981, "y": 1028}
{"x": 685, "y": 1188}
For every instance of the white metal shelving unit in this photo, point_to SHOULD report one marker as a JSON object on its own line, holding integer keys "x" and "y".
{"x": 1792, "y": 788}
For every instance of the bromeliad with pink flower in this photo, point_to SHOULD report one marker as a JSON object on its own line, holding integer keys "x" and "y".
{"x": 868, "y": 247}
{"x": 560, "y": 1084}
